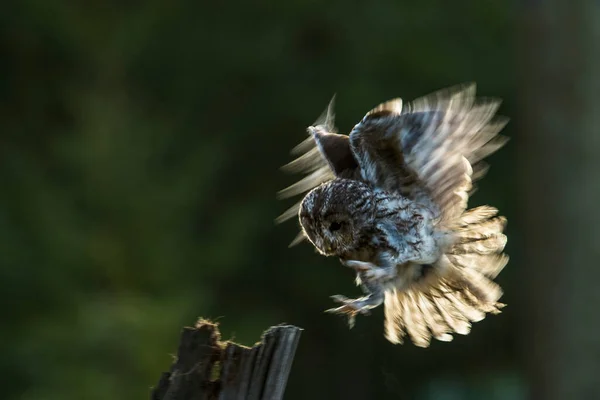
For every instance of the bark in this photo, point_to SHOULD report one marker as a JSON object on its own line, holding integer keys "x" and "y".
{"x": 207, "y": 368}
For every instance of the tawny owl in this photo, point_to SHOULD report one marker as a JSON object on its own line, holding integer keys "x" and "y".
{"x": 390, "y": 200}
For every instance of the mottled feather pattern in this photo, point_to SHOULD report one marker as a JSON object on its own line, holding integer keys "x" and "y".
{"x": 440, "y": 138}
{"x": 390, "y": 200}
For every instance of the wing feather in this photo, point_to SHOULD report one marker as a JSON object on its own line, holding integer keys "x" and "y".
{"x": 323, "y": 156}
{"x": 430, "y": 149}
{"x": 433, "y": 146}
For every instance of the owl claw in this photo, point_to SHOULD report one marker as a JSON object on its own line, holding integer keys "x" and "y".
{"x": 350, "y": 308}
{"x": 360, "y": 266}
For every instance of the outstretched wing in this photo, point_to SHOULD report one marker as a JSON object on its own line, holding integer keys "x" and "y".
{"x": 323, "y": 156}
{"x": 432, "y": 146}
{"x": 441, "y": 305}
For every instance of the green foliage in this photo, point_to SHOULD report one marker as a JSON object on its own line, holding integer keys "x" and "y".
{"x": 139, "y": 160}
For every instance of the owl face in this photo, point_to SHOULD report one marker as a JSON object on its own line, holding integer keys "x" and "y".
{"x": 334, "y": 215}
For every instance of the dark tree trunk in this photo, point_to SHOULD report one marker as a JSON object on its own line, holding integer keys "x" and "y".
{"x": 559, "y": 145}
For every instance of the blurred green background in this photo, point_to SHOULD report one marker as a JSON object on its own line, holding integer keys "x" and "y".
{"x": 139, "y": 159}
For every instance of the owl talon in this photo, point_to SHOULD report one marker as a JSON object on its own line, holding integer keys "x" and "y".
{"x": 338, "y": 298}
{"x": 350, "y": 307}
{"x": 360, "y": 266}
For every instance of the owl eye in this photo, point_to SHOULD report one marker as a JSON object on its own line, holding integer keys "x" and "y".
{"x": 335, "y": 226}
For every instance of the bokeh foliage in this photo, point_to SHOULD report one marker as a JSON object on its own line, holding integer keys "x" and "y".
{"x": 140, "y": 150}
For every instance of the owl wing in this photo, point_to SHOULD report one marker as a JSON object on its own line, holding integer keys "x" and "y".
{"x": 431, "y": 147}
{"x": 323, "y": 156}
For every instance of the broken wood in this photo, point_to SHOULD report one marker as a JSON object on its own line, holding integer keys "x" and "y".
{"x": 207, "y": 368}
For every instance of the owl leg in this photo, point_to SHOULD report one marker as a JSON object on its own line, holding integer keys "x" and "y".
{"x": 362, "y": 305}
{"x": 371, "y": 272}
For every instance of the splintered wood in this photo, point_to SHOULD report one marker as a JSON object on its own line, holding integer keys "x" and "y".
{"x": 206, "y": 368}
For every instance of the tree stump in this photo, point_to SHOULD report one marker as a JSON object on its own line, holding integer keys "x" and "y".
{"x": 207, "y": 368}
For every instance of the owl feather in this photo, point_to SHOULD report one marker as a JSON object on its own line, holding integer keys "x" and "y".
{"x": 393, "y": 194}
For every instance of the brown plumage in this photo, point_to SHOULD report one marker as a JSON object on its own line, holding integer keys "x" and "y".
{"x": 390, "y": 200}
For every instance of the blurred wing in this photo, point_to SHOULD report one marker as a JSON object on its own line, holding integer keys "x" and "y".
{"x": 434, "y": 144}
{"x": 440, "y": 312}
{"x": 323, "y": 156}
{"x": 377, "y": 147}
{"x": 444, "y": 304}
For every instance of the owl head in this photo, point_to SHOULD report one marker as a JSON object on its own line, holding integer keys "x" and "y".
{"x": 334, "y": 215}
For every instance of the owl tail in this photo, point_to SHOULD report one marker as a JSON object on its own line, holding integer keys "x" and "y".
{"x": 458, "y": 290}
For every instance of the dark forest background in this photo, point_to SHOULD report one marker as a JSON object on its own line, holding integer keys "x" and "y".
{"x": 140, "y": 146}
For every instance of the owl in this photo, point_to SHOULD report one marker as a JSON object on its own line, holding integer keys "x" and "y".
{"x": 390, "y": 201}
